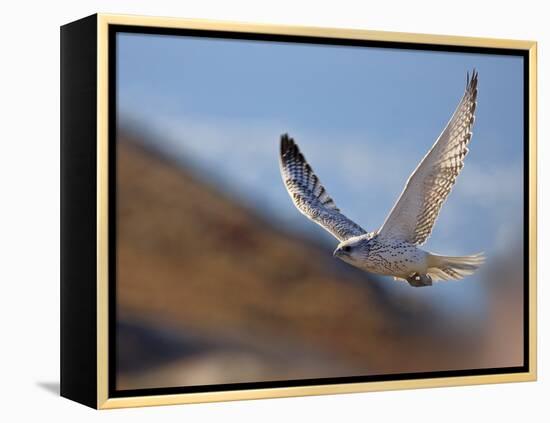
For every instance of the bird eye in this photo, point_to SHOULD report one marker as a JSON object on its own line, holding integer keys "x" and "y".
{"x": 346, "y": 248}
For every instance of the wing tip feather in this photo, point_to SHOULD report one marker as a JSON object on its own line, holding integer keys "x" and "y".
{"x": 286, "y": 143}
{"x": 471, "y": 82}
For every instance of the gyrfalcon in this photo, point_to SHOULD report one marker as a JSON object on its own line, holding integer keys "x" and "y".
{"x": 394, "y": 248}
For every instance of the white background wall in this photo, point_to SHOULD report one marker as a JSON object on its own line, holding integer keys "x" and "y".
{"x": 29, "y": 234}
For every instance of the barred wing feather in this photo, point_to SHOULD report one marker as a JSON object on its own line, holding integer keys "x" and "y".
{"x": 415, "y": 212}
{"x": 309, "y": 196}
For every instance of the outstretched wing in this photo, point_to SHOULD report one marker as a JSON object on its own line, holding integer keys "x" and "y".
{"x": 416, "y": 210}
{"x": 309, "y": 196}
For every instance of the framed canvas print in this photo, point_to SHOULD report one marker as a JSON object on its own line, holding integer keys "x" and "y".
{"x": 254, "y": 211}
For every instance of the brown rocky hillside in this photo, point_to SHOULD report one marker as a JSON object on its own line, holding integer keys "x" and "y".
{"x": 209, "y": 292}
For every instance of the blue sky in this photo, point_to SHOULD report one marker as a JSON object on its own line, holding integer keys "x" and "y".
{"x": 364, "y": 117}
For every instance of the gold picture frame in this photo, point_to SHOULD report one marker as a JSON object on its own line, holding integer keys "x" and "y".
{"x": 90, "y": 323}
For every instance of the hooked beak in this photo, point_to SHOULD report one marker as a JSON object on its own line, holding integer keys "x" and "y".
{"x": 337, "y": 253}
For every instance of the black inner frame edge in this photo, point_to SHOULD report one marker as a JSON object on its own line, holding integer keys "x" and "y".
{"x": 234, "y": 35}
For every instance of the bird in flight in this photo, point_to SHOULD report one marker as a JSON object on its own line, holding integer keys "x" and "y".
{"x": 393, "y": 250}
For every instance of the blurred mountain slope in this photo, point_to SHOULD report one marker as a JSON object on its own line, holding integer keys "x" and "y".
{"x": 237, "y": 299}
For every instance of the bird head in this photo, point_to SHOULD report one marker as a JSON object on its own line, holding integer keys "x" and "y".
{"x": 352, "y": 250}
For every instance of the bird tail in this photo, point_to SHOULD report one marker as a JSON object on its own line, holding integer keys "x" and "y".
{"x": 453, "y": 268}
